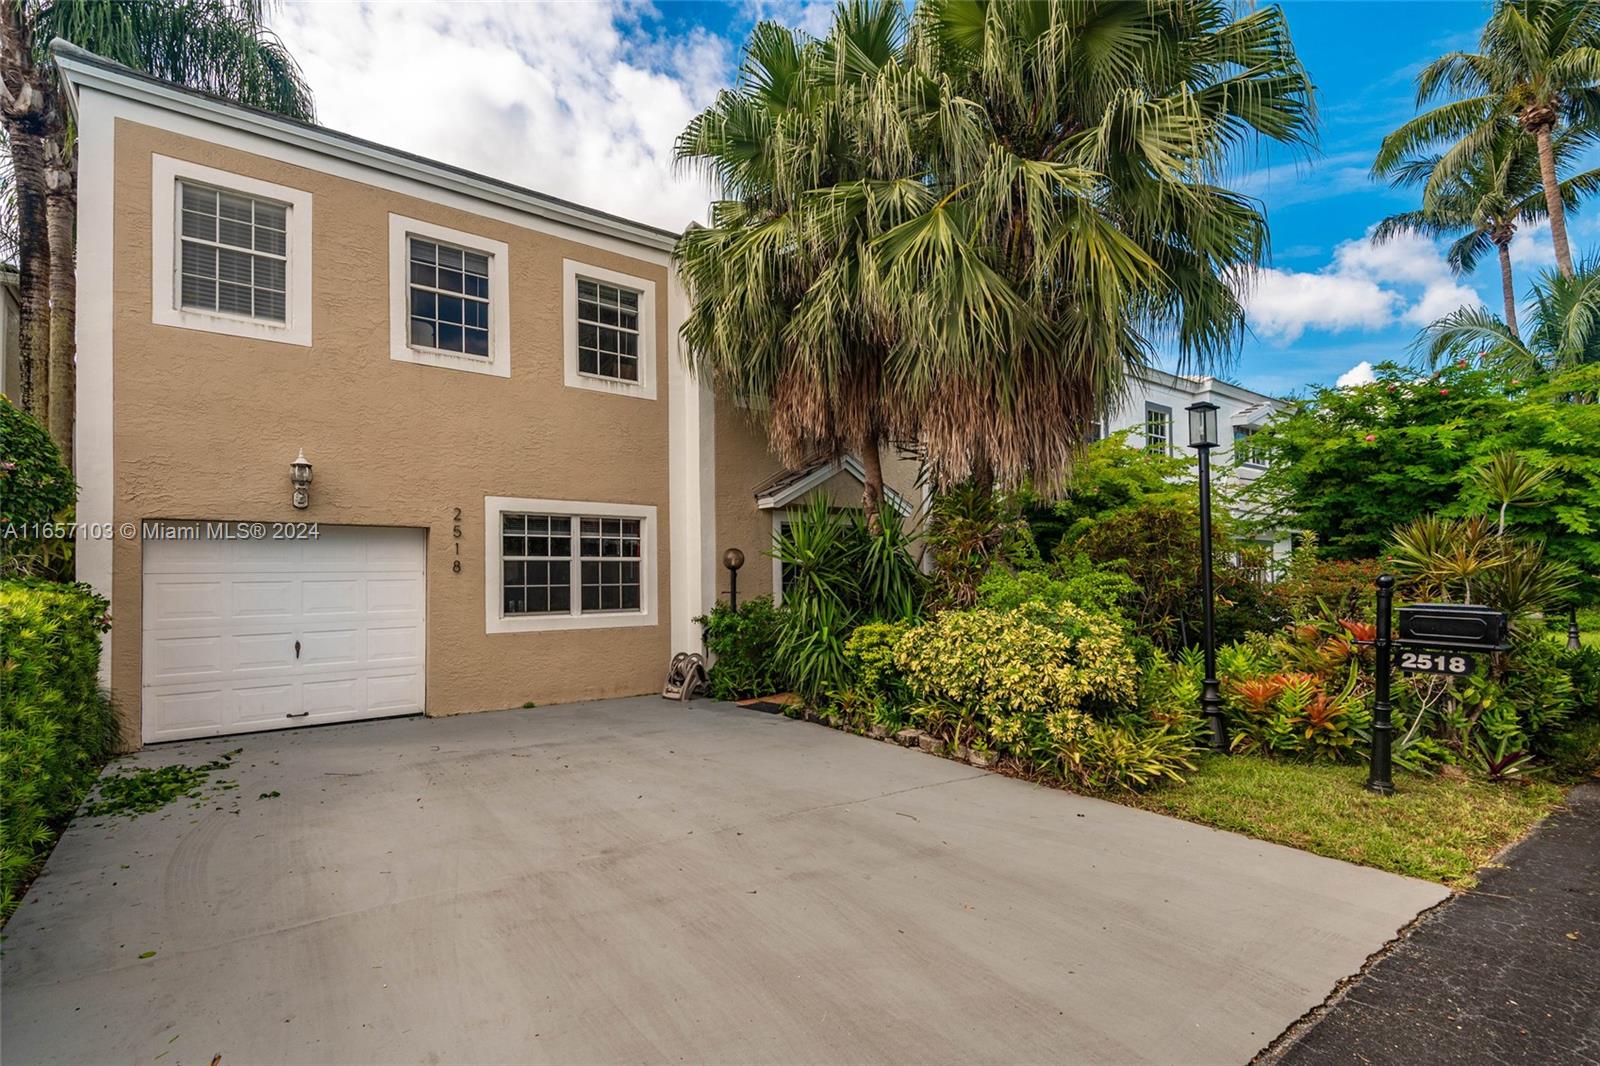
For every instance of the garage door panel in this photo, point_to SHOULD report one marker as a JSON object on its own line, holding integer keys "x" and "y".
{"x": 178, "y": 602}
{"x": 266, "y": 704}
{"x": 263, "y": 599}
{"x": 331, "y": 647}
{"x": 394, "y": 645}
{"x": 186, "y": 659}
{"x": 394, "y": 595}
{"x": 399, "y": 693}
{"x": 187, "y": 709}
{"x": 264, "y": 651}
{"x": 324, "y": 596}
{"x": 222, "y": 618}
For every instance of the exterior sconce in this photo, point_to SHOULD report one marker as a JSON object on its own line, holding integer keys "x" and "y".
{"x": 300, "y": 475}
{"x": 733, "y": 559}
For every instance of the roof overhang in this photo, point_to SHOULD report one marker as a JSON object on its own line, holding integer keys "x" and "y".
{"x": 84, "y": 69}
{"x": 800, "y": 484}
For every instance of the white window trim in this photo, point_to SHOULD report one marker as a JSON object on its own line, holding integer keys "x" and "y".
{"x": 498, "y": 362}
{"x": 495, "y": 621}
{"x": 165, "y": 175}
{"x": 645, "y": 387}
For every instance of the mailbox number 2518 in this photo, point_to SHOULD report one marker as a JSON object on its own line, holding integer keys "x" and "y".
{"x": 1435, "y": 662}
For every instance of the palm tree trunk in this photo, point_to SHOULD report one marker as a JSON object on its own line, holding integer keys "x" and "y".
{"x": 33, "y": 262}
{"x": 872, "y": 485}
{"x": 62, "y": 209}
{"x": 1508, "y": 289}
{"x": 1552, "y": 198}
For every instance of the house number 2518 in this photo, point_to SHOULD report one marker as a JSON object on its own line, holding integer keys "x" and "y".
{"x": 455, "y": 540}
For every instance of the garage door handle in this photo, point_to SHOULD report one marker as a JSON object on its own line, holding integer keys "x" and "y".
{"x": 302, "y": 714}
{"x": 297, "y": 649}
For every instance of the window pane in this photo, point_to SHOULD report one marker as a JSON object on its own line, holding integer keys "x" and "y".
{"x": 200, "y": 260}
{"x": 627, "y": 368}
{"x": 586, "y": 289}
{"x": 630, "y": 299}
{"x": 234, "y": 266}
{"x": 476, "y": 263}
{"x": 422, "y": 333}
{"x": 423, "y": 251}
{"x": 449, "y": 337}
{"x": 270, "y": 216}
{"x": 196, "y": 198}
{"x": 515, "y": 600}
{"x": 477, "y": 342}
{"x": 449, "y": 280}
{"x": 235, "y": 207}
{"x": 514, "y": 573}
{"x": 608, "y": 364}
{"x": 422, "y": 303}
{"x": 269, "y": 273}
{"x": 511, "y": 545}
{"x": 423, "y": 274}
{"x": 269, "y": 305}
{"x": 199, "y": 292}
{"x": 560, "y": 598}
{"x": 234, "y": 299}
{"x": 449, "y": 257}
{"x": 512, "y": 522}
{"x": 237, "y": 234}
{"x": 273, "y": 241}
{"x": 591, "y": 598}
{"x": 198, "y": 225}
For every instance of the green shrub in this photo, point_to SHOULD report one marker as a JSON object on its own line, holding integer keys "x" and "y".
{"x": 972, "y": 531}
{"x": 1582, "y": 667}
{"x": 36, "y": 489}
{"x": 56, "y": 727}
{"x": 1314, "y": 587}
{"x": 879, "y": 690}
{"x": 745, "y": 644}
{"x": 1071, "y": 580}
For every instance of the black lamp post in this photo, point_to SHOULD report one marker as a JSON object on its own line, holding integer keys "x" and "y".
{"x": 733, "y": 559}
{"x": 1573, "y": 643}
{"x": 1203, "y": 438}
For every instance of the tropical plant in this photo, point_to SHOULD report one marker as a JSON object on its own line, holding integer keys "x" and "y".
{"x": 1107, "y": 478}
{"x": 745, "y": 645}
{"x": 1484, "y": 204}
{"x": 971, "y": 532}
{"x": 777, "y": 318}
{"x": 37, "y": 494}
{"x": 1538, "y": 66}
{"x": 842, "y": 573}
{"x": 1565, "y": 332}
{"x": 221, "y": 47}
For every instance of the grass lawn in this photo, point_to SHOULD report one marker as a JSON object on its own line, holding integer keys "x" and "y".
{"x": 1434, "y": 828}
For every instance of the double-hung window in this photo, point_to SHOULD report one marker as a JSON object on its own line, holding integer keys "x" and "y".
{"x": 608, "y": 330}
{"x": 558, "y": 564}
{"x": 1158, "y": 428}
{"x": 449, "y": 298}
{"x": 234, "y": 254}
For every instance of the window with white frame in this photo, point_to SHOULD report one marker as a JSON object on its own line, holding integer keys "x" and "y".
{"x": 608, "y": 323}
{"x": 1158, "y": 428}
{"x": 558, "y": 564}
{"x": 235, "y": 253}
{"x": 608, "y": 330}
{"x": 230, "y": 253}
{"x": 449, "y": 297}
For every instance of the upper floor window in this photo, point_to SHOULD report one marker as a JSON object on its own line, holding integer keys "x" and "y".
{"x": 1158, "y": 428}
{"x": 235, "y": 253}
{"x": 231, "y": 253}
{"x": 449, "y": 298}
{"x": 608, "y": 326}
{"x": 608, "y": 330}
{"x": 1245, "y": 449}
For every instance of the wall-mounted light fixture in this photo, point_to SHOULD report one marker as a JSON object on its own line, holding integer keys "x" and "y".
{"x": 300, "y": 475}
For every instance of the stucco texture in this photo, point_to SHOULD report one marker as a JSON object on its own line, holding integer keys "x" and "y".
{"x": 205, "y": 426}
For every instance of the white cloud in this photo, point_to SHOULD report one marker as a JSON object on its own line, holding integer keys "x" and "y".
{"x": 575, "y": 100}
{"x": 1360, "y": 374}
{"x": 1366, "y": 286}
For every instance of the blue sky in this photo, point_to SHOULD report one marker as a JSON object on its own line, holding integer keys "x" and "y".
{"x": 583, "y": 99}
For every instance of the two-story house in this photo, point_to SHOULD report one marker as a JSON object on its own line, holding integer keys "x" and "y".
{"x": 511, "y": 489}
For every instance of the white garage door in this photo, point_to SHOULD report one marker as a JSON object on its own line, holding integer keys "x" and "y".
{"x": 243, "y": 635}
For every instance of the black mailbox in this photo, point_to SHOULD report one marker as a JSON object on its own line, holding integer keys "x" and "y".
{"x": 1453, "y": 625}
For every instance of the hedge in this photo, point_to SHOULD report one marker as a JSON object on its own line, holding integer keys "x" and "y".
{"x": 56, "y": 725}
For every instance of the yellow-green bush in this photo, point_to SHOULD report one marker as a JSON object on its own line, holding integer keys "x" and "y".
{"x": 56, "y": 726}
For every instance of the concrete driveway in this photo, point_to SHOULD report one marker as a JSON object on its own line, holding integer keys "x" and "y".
{"x": 639, "y": 881}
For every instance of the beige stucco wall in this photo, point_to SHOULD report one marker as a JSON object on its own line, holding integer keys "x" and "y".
{"x": 205, "y": 426}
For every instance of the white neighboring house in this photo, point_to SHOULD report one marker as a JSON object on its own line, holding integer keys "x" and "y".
{"x": 10, "y": 333}
{"x": 1155, "y": 411}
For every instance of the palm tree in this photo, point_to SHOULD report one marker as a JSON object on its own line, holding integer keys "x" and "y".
{"x": 1538, "y": 64}
{"x": 1066, "y": 216}
{"x": 1485, "y": 203}
{"x": 1565, "y": 327}
{"x": 776, "y": 320}
{"x": 217, "y": 46}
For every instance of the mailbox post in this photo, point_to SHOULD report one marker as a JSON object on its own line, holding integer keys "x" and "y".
{"x": 1435, "y": 639}
{"x": 1379, "y": 776}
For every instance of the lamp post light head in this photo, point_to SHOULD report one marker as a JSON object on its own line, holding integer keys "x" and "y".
{"x": 733, "y": 559}
{"x": 1203, "y": 425}
{"x": 300, "y": 477}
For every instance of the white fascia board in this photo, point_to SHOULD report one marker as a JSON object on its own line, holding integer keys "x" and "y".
{"x": 81, "y": 69}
